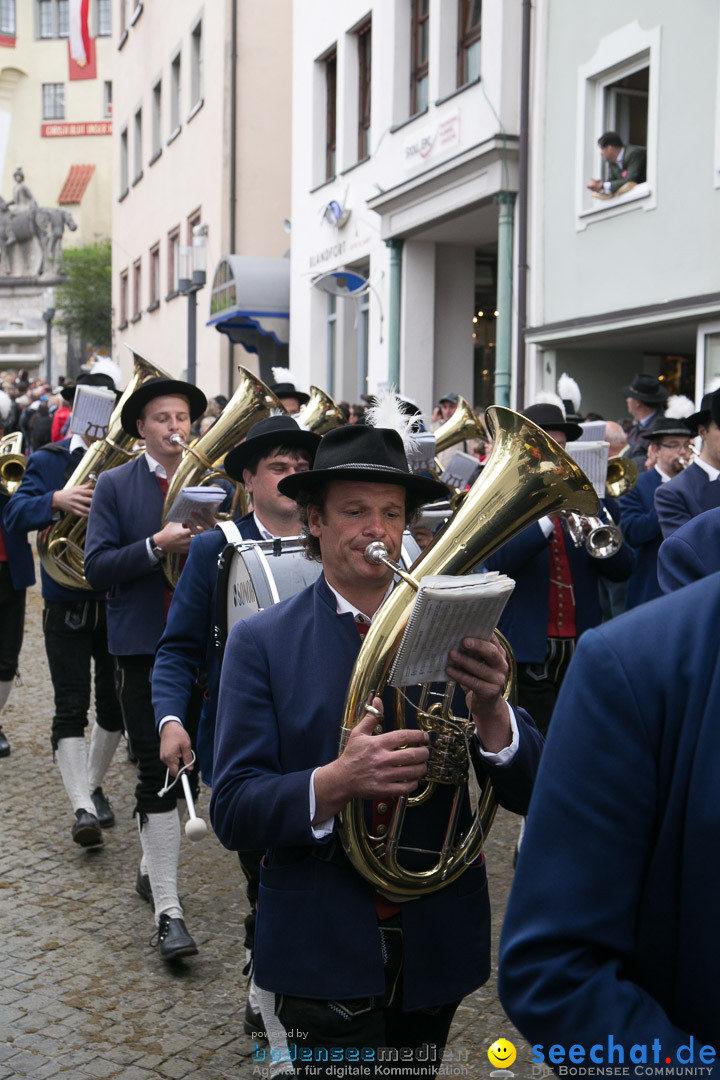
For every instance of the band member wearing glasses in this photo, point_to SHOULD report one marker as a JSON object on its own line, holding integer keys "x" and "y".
{"x": 351, "y": 967}
{"x": 125, "y": 550}
{"x": 693, "y": 492}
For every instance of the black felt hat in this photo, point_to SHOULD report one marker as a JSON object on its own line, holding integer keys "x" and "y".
{"x": 88, "y": 379}
{"x": 666, "y": 426}
{"x": 160, "y": 387}
{"x": 705, "y": 413}
{"x": 263, "y": 436}
{"x": 367, "y": 454}
{"x": 287, "y": 389}
{"x": 550, "y": 417}
{"x": 646, "y": 388}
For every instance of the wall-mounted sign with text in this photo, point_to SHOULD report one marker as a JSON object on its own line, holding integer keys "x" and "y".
{"x": 55, "y": 131}
{"x": 432, "y": 142}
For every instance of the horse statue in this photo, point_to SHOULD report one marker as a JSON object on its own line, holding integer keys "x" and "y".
{"x": 20, "y": 229}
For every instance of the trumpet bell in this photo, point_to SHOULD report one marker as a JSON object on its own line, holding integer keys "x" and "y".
{"x": 320, "y": 414}
{"x": 622, "y": 476}
{"x": 12, "y": 463}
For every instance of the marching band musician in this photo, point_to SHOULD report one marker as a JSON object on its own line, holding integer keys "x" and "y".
{"x": 556, "y": 592}
{"x": 693, "y": 492}
{"x": 349, "y": 967}
{"x": 283, "y": 387}
{"x": 74, "y": 626}
{"x": 275, "y": 447}
{"x": 126, "y": 544}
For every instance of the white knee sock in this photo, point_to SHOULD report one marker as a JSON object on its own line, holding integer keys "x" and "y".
{"x": 72, "y": 759}
{"x": 103, "y": 745}
{"x": 5, "y": 688}
{"x": 276, "y": 1034}
{"x": 160, "y": 839}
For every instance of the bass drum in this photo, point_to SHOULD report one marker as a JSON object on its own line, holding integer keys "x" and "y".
{"x": 255, "y": 574}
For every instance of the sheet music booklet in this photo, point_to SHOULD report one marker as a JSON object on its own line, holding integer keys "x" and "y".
{"x": 446, "y": 610}
{"x": 92, "y": 408}
{"x": 194, "y": 499}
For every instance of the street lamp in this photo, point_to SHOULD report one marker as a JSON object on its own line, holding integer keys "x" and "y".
{"x": 191, "y": 278}
{"x": 48, "y": 316}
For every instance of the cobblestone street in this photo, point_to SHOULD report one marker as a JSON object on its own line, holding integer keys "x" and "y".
{"x": 82, "y": 992}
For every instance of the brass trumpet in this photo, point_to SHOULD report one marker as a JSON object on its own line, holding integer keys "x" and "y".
{"x": 527, "y": 476}
{"x": 12, "y": 462}
{"x": 599, "y": 534}
{"x": 622, "y": 475}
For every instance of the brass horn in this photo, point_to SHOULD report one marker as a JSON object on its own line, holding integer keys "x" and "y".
{"x": 251, "y": 402}
{"x": 61, "y": 546}
{"x": 320, "y": 413}
{"x": 622, "y": 475}
{"x": 527, "y": 476}
{"x": 463, "y": 424}
{"x": 12, "y": 462}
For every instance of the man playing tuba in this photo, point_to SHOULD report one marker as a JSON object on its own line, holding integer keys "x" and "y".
{"x": 351, "y": 968}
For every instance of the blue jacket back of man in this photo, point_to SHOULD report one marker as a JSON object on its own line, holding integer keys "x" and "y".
{"x": 684, "y": 497}
{"x": 30, "y": 508}
{"x": 691, "y": 553}
{"x": 126, "y": 509}
{"x": 188, "y": 641}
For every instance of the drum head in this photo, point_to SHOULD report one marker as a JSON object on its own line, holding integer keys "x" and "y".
{"x": 254, "y": 575}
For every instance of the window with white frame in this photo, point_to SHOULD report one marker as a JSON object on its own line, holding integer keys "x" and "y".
{"x": 107, "y": 99}
{"x": 469, "y": 40}
{"x": 156, "y": 132}
{"x": 63, "y": 19}
{"x": 137, "y": 290}
{"x": 154, "y": 282}
{"x": 46, "y": 19}
{"x": 123, "y": 299}
{"x": 53, "y": 99}
{"x": 7, "y": 17}
{"x": 173, "y": 266}
{"x": 618, "y": 98}
{"x": 196, "y": 66}
{"x": 175, "y": 93}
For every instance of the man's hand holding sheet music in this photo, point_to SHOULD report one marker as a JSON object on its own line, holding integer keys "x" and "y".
{"x": 480, "y": 669}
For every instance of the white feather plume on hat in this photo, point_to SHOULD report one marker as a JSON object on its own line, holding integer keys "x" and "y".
{"x": 679, "y": 406}
{"x": 5, "y": 407}
{"x": 103, "y": 365}
{"x": 387, "y": 412}
{"x": 546, "y": 397}
{"x": 569, "y": 390}
{"x": 282, "y": 374}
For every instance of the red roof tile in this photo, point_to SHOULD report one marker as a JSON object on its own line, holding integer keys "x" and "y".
{"x": 77, "y": 180}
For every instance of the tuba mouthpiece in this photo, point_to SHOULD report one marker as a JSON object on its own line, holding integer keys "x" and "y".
{"x": 376, "y": 552}
{"x": 177, "y": 439}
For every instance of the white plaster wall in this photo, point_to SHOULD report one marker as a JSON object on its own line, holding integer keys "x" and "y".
{"x": 639, "y": 257}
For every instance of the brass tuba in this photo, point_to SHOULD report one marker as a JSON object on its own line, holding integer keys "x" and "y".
{"x": 527, "y": 476}
{"x": 251, "y": 402}
{"x": 463, "y": 424}
{"x": 12, "y": 463}
{"x": 320, "y": 414}
{"x": 61, "y": 546}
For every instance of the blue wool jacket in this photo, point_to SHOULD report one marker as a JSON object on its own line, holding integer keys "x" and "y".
{"x": 684, "y": 497}
{"x": 641, "y": 529}
{"x": 30, "y": 508}
{"x": 187, "y": 642}
{"x": 691, "y": 553}
{"x": 20, "y": 558}
{"x": 126, "y": 509}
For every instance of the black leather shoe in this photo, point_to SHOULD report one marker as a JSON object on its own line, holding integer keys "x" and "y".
{"x": 86, "y": 831}
{"x": 143, "y": 889}
{"x": 4, "y": 745}
{"x": 173, "y": 939}
{"x": 103, "y": 811}
{"x": 253, "y": 1023}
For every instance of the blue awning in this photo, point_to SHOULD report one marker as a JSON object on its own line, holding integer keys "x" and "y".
{"x": 250, "y": 300}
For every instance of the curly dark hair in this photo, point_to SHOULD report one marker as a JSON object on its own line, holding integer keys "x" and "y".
{"x": 317, "y": 500}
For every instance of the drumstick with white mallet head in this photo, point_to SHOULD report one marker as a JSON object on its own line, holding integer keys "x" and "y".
{"x": 195, "y": 827}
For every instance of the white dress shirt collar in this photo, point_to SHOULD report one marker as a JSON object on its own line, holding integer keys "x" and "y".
{"x": 712, "y": 472}
{"x": 155, "y": 466}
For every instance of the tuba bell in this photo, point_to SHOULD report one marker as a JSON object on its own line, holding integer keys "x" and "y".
{"x": 12, "y": 462}
{"x": 463, "y": 424}
{"x": 61, "y": 546}
{"x": 320, "y": 414}
{"x": 251, "y": 402}
{"x": 526, "y": 477}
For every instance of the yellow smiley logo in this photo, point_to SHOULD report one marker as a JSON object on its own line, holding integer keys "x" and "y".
{"x": 502, "y": 1053}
